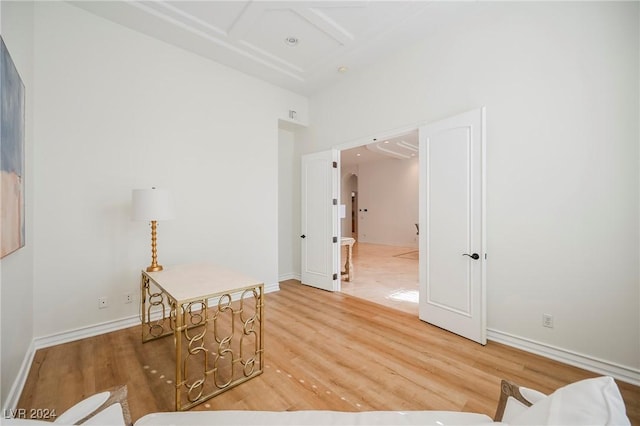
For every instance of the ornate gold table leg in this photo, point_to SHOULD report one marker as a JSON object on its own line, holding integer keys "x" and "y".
{"x": 144, "y": 287}
{"x": 210, "y": 361}
{"x": 178, "y": 317}
{"x": 153, "y": 329}
{"x": 192, "y": 359}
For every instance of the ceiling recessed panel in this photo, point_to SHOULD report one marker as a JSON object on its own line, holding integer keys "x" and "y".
{"x": 250, "y": 35}
{"x": 269, "y": 32}
{"x": 356, "y": 156}
{"x": 364, "y": 18}
{"x": 403, "y": 147}
{"x": 222, "y": 16}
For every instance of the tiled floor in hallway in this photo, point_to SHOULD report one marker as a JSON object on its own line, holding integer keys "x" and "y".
{"x": 387, "y": 275}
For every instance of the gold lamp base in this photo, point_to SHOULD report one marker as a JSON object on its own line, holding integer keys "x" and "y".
{"x": 154, "y": 267}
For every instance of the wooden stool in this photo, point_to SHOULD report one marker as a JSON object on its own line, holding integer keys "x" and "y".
{"x": 348, "y": 264}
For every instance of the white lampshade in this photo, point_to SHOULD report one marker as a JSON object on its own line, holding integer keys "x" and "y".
{"x": 151, "y": 204}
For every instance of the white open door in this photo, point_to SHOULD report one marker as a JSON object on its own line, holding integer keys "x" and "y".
{"x": 319, "y": 225}
{"x": 453, "y": 246}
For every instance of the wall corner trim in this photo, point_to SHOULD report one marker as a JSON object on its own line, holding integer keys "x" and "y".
{"x": 289, "y": 276}
{"x": 11, "y": 403}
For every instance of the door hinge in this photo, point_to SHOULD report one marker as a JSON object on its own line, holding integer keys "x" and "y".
{"x": 335, "y": 201}
{"x": 335, "y": 239}
{"x": 335, "y": 277}
{"x": 335, "y": 165}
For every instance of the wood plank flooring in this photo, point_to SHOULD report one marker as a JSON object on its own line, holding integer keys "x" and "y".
{"x": 323, "y": 351}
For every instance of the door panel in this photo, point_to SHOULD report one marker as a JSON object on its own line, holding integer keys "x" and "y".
{"x": 452, "y": 294}
{"x": 319, "y": 254}
{"x": 449, "y": 208}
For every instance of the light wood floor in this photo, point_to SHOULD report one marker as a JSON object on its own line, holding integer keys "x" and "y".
{"x": 323, "y": 351}
{"x": 384, "y": 274}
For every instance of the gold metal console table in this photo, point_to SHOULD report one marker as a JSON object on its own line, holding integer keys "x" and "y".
{"x": 216, "y": 318}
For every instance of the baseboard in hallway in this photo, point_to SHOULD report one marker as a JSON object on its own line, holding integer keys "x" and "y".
{"x": 412, "y": 255}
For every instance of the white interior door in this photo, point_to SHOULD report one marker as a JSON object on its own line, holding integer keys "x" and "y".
{"x": 452, "y": 246}
{"x": 319, "y": 225}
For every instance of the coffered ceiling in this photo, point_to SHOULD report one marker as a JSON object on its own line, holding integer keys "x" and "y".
{"x": 299, "y": 45}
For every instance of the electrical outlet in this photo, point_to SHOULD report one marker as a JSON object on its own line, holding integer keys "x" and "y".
{"x": 547, "y": 320}
{"x": 103, "y": 302}
{"x": 128, "y": 298}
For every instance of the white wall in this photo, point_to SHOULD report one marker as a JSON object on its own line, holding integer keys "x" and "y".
{"x": 388, "y": 190}
{"x": 117, "y": 110}
{"x": 16, "y": 289}
{"x": 293, "y": 136}
{"x": 560, "y": 83}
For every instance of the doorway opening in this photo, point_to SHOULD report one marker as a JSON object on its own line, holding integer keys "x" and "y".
{"x": 379, "y": 190}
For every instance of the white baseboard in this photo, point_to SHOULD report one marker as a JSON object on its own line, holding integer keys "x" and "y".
{"x": 84, "y": 332}
{"x": 109, "y": 326}
{"x": 289, "y": 276}
{"x": 607, "y": 368}
{"x": 270, "y": 288}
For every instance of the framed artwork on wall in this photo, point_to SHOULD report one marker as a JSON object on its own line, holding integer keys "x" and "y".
{"x": 12, "y": 117}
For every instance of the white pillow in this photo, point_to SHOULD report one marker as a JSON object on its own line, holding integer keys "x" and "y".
{"x": 112, "y": 415}
{"x": 587, "y": 402}
{"x": 531, "y": 395}
{"x": 514, "y": 408}
{"x": 82, "y": 409}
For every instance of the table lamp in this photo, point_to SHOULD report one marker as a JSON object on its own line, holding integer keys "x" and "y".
{"x": 151, "y": 205}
